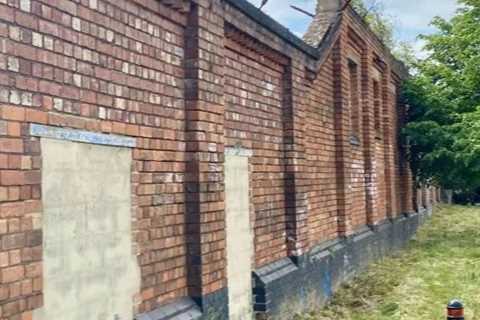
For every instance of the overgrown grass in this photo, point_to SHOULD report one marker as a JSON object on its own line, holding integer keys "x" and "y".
{"x": 441, "y": 263}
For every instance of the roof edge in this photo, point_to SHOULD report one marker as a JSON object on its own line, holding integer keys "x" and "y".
{"x": 272, "y": 25}
{"x": 318, "y": 53}
{"x": 329, "y": 39}
{"x": 397, "y": 64}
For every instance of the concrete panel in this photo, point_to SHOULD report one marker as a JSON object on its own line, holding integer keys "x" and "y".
{"x": 239, "y": 238}
{"x": 89, "y": 270}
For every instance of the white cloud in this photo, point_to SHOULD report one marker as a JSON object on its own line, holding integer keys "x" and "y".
{"x": 418, "y": 49}
{"x": 411, "y": 17}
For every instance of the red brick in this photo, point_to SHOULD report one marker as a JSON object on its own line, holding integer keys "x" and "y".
{"x": 12, "y": 274}
{"x": 12, "y": 308}
{"x": 27, "y": 288}
{"x": 25, "y": 20}
{"x": 13, "y": 193}
{"x": 3, "y": 161}
{"x": 28, "y": 315}
{"x": 3, "y": 196}
{"x": 11, "y": 209}
{"x": 36, "y": 116}
{"x": 32, "y": 177}
{"x": 3, "y": 292}
{"x": 11, "y": 145}
{"x": 14, "y": 129}
{"x": 15, "y": 290}
{"x": 6, "y": 13}
{"x": 11, "y": 178}
{"x": 37, "y": 284}
{"x": 12, "y": 113}
{"x": 14, "y": 161}
{"x": 26, "y": 83}
{"x": 33, "y": 270}
{"x": 4, "y": 262}
{"x": 26, "y": 51}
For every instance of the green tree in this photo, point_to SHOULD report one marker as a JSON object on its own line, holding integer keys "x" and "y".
{"x": 374, "y": 14}
{"x": 444, "y": 98}
{"x": 404, "y": 52}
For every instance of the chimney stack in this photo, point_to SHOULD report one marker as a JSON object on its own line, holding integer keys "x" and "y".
{"x": 327, "y": 7}
{"x": 325, "y": 14}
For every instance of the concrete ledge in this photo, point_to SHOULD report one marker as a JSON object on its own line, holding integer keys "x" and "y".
{"x": 283, "y": 288}
{"x": 267, "y": 22}
{"x": 238, "y": 151}
{"x": 212, "y": 306}
{"x": 182, "y": 309}
{"x": 81, "y": 136}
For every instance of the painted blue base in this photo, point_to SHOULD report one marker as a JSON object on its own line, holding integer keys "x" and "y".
{"x": 289, "y": 286}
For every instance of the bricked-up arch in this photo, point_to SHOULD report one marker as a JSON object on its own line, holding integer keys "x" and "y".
{"x": 254, "y": 120}
{"x": 290, "y": 141}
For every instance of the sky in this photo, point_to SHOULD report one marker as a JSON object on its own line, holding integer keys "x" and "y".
{"x": 411, "y": 17}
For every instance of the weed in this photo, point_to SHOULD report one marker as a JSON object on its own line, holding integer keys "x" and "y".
{"x": 441, "y": 263}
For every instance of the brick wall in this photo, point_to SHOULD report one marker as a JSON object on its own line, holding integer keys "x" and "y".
{"x": 105, "y": 66}
{"x": 187, "y": 79}
{"x": 254, "y": 119}
{"x": 320, "y": 150}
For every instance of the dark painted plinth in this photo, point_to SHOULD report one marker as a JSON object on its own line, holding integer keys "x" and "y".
{"x": 211, "y": 307}
{"x": 291, "y": 285}
{"x": 287, "y": 286}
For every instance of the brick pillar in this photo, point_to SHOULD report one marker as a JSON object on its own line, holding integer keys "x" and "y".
{"x": 395, "y": 149}
{"x": 419, "y": 198}
{"x": 428, "y": 197}
{"x": 205, "y": 214}
{"x": 414, "y": 197}
{"x": 409, "y": 188}
{"x": 342, "y": 137}
{"x": 405, "y": 169}
{"x": 423, "y": 191}
{"x": 368, "y": 116}
{"x": 295, "y": 161}
{"x": 387, "y": 140}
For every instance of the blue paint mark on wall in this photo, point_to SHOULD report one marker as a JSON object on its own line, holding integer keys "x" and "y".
{"x": 327, "y": 283}
{"x": 81, "y": 136}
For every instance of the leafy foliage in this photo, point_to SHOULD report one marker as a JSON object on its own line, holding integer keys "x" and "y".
{"x": 374, "y": 14}
{"x": 444, "y": 95}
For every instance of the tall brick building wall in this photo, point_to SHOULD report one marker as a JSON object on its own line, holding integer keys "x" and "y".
{"x": 187, "y": 82}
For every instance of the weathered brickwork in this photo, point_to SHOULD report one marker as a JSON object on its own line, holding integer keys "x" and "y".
{"x": 254, "y": 118}
{"x": 322, "y": 187}
{"x": 188, "y": 79}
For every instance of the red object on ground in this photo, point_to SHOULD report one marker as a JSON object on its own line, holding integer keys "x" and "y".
{"x": 455, "y": 310}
